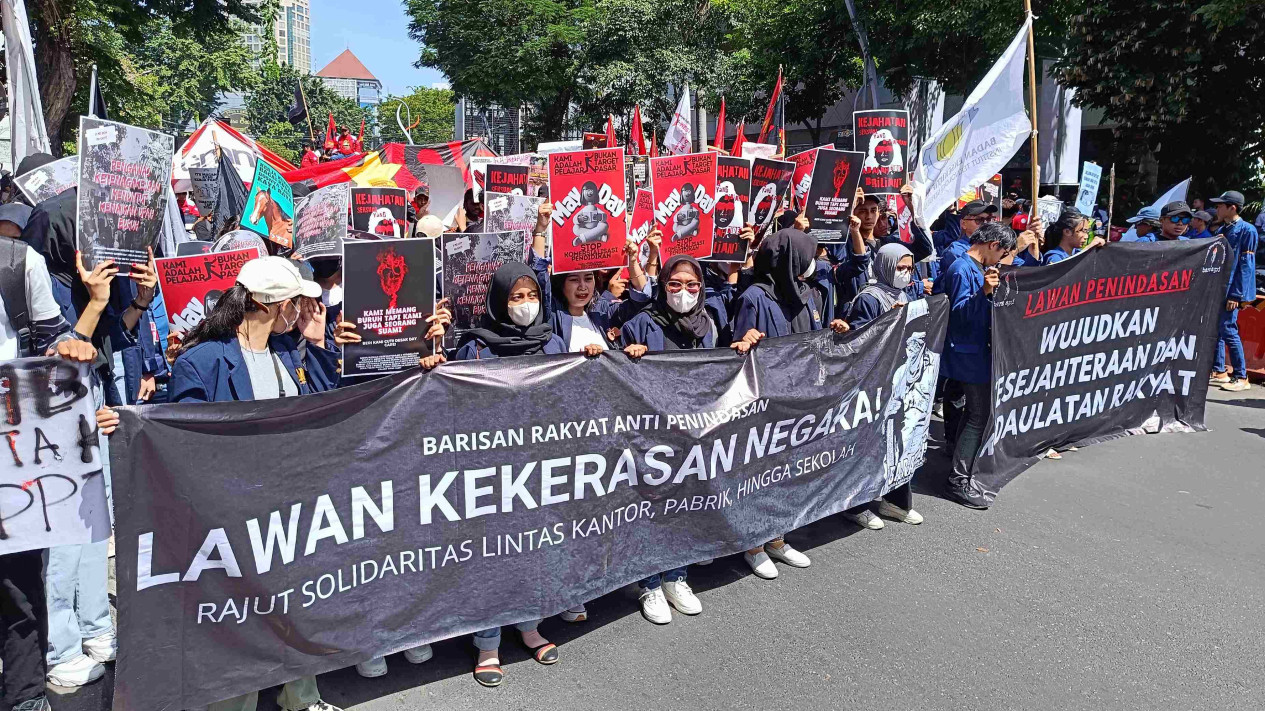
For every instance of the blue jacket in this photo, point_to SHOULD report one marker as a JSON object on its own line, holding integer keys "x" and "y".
{"x": 604, "y": 311}
{"x": 719, "y": 298}
{"x": 756, "y": 309}
{"x": 643, "y": 329}
{"x": 215, "y": 372}
{"x": 949, "y": 233}
{"x": 866, "y": 308}
{"x": 478, "y": 350}
{"x": 850, "y": 276}
{"x": 1056, "y": 255}
{"x": 1242, "y": 238}
{"x": 968, "y": 354}
{"x": 1201, "y": 234}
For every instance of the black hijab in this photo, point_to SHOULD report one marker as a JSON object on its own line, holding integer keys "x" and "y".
{"x": 684, "y": 330}
{"x": 503, "y": 336}
{"x": 781, "y": 259}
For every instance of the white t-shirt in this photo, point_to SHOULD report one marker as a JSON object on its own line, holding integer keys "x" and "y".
{"x": 39, "y": 299}
{"x": 583, "y": 332}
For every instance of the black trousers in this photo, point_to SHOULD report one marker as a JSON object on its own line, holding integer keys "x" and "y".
{"x": 24, "y": 625}
{"x": 901, "y": 496}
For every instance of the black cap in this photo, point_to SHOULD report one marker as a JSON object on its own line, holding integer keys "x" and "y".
{"x": 1229, "y": 197}
{"x": 978, "y": 207}
{"x": 1203, "y": 215}
{"x": 1177, "y": 207}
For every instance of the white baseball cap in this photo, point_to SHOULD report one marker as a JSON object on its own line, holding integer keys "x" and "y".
{"x": 431, "y": 226}
{"x": 274, "y": 279}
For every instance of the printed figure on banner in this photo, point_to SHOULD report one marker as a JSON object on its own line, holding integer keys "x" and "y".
{"x": 832, "y": 189}
{"x": 192, "y": 285}
{"x": 733, "y": 198}
{"x": 770, "y": 184}
{"x": 270, "y": 206}
{"x": 587, "y": 190}
{"x": 684, "y": 191}
{"x": 883, "y": 135}
{"x": 380, "y": 211}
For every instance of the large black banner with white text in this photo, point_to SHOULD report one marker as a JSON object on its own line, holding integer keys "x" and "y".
{"x": 262, "y": 541}
{"x": 1115, "y": 341}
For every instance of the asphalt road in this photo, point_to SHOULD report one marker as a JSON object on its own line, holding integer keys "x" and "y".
{"x": 1126, "y": 576}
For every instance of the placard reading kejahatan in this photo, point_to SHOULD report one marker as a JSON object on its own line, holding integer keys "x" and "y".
{"x": 49, "y": 180}
{"x": 833, "y": 190}
{"x": 1115, "y": 341}
{"x": 425, "y": 506}
{"x": 192, "y": 285}
{"x": 587, "y": 190}
{"x": 320, "y": 222}
{"x": 381, "y": 211}
{"x": 883, "y": 136}
{"x": 270, "y": 206}
{"x": 479, "y": 167}
{"x": 684, "y": 190}
{"x": 770, "y": 184}
{"x": 388, "y": 292}
{"x": 510, "y": 179}
{"x": 52, "y": 491}
{"x": 733, "y": 205}
{"x": 123, "y": 174}
{"x": 469, "y": 260}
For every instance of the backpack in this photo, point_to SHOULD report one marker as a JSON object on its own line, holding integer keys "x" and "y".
{"x": 13, "y": 290}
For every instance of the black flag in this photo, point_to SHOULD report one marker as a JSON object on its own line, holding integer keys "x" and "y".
{"x": 297, "y": 113}
{"x": 96, "y": 102}
{"x": 229, "y": 203}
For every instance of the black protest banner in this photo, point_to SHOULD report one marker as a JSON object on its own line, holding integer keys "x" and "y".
{"x": 49, "y": 180}
{"x": 424, "y": 506}
{"x": 510, "y": 179}
{"x": 469, "y": 260}
{"x": 123, "y": 175}
{"x": 770, "y": 183}
{"x": 388, "y": 291}
{"x": 1114, "y": 341}
{"x": 320, "y": 222}
{"x": 883, "y": 136}
{"x": 52, "y": 492}
{"x": 830, "y": 196}
{"x": 733, "y": 204}
{"x": 381, "y": 211}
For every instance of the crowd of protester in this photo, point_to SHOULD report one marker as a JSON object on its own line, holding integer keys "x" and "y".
{"x": 278, "y": 333}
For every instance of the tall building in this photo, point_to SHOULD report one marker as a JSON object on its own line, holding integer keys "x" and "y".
{"x": 350, "y": 79}
{"x": 292, "y": 32}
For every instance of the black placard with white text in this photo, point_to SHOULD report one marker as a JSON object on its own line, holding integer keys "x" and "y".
{"x": 388, "y": 291}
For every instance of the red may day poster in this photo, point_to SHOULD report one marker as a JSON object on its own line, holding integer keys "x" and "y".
{"x": 587, "y": 190}
{"x": 684, "y": 191}
{"x": 192, "y": 285}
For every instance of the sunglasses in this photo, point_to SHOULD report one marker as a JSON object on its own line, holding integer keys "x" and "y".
{"x": 1178, "y": 219}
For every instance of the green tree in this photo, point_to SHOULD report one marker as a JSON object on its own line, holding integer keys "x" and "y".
{"x": 432, "y": 109}
{"x": 267, "y": 108}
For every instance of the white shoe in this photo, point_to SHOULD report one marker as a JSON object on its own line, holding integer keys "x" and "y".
{"x": 1236, "y": 386}
{"x": 373, "y": 668}
{"x": 761, "y": 565}
{"x": 418, "y": 655}
{"x": 322, "y": 706}
{"x": 896, "y": 512}
{"x": 788, "y": 555}
{"x": 77, "y": 672}
{"x": 866, "y": 519}
{"x": 576, "y": 614}
{"x": 102, "y": 648}
{"x": 655, "y": 606}
{"x": 678, "y": 593}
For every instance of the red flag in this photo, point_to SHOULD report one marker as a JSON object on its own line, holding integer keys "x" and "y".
{"x": 739, "y": 139}
{"x": 720, "y": 126}
{"x": 360, "y": 140}
{"x": 610, "y": 131}
{"x": 329, "y": 134}
{"x": 636, "y": 136}
{"x": 773, "y": 117}
{"x": 654, "y": 144}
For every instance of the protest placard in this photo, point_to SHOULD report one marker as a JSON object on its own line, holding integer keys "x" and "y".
{"x": 52, "y": 491}
{"x": 832, "y": 191}
{"x": 684, "y": 191}
{"x": 49, "y": 180}
{"x": 320, "y": 222}
{"x": 388, "y": 291}
{"x": 641, "y": 224}
{"x": 469, "y": 261}
{"x": 511, "y": 179}
{"x": 587, "y": 190}
{"x": 1087, "y": 194}
{"x": 270, "y": 206}
{"x": 479, "y": 169}
{"x": 511, "y": 213}
{"x": 1048, "y": 209}
{"x": 883, "y": 136}
{"x": 192, "y": 285}
{"x": 446, "y": 187}
{"x": 770, "y": 184}
{"x": 382, "y": 211}
{"x": 802, "y": 178}
{"x": 636, "y": 173}
{"x": 123, "y": 176}
{"x": 240, "y": 239}
{"x": 733, "y": 205}
{"x": 753, "y": 150}
{"x": 188, "y": 249}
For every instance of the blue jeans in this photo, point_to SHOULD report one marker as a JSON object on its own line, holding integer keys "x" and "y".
{"x": 657, "y": 580}
{"x": 1228, "y": 335}
{"x": 78, "y": 603}
{"x": 487, "y": 640}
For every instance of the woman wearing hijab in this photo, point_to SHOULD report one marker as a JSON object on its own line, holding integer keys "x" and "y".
{"x": 894, "y": 286}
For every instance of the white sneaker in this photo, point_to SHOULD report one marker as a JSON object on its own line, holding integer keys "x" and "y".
{"x": 788, "y": 555}
{"x": 373, "y": 668}
{"x": 678, "y": 593}
{"x": 102, "y": 648}
{"x": 575, "y": 614}
{"x": 866, "y": 519}
{"x": 418, "y": 655}
{"x": 1236, "y": 386}
{"x": 896, "y": 512}
{"x": 761, "y": 565}
{"x": 77, "y": 672}
{"x": 655, "y": 606}
{"x": 322, "y": 706}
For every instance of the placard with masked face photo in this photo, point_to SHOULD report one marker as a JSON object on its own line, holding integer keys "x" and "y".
{"x": 733, "y": 203}
{"x": 883, "y": 136}
{"x": 770, "y": 183}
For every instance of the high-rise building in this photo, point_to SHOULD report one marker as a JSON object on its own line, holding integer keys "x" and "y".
{"x": 350, "y": 79}
{"x": 292, "y": 31}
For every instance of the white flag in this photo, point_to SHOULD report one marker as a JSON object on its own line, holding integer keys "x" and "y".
{"x": 679, "y": 137}
{"x": 26, "y": 111}
{"x": 973, "y": 146}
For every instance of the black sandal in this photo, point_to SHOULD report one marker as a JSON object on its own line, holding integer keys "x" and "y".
{"x": 546, "y": 653}
{"x": 489, "y": 675}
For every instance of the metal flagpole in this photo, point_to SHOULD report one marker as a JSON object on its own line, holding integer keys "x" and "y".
{"x": 1032, "y": 99}
{"x": 311, "y": 134}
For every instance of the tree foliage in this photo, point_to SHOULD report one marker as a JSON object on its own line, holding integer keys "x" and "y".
{"x": 432, "y": 109}
{"x": 268, "y": 106}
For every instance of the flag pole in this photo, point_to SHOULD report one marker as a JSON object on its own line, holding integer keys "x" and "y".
{"x": 1032, "y": 99}
{"x": 1111, "y": 200}
{"x": 311, "y": 134}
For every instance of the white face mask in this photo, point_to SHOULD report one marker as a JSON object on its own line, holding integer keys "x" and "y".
{"x": 810, "y": 271}
{"x": 682, "y": 301}
{"x": 902, "y": 280}
{"x": 524, "y": 314}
